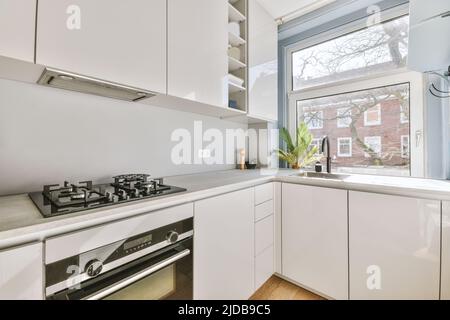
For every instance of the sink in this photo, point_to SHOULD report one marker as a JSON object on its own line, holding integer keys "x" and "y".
{"x": 323, "y": 175}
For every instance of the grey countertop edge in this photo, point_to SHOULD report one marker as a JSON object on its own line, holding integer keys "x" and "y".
{"x": 49, "y": 228}
{"x": 411, "y": 192}
{"x": 41, "y": 231}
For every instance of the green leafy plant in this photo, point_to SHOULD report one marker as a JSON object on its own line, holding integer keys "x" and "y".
{"x": 299, "y": 154}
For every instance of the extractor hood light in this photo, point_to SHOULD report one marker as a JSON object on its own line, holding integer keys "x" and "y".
{"x": 76, "y": 82}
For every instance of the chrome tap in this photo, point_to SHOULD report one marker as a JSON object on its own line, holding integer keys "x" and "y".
{"x": 326, "y": 141}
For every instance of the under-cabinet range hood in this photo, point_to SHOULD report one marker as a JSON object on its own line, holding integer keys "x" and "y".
{"x": 75, "y": 82}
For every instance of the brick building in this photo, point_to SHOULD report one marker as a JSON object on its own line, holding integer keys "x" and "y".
{"x": 374, "y": 136}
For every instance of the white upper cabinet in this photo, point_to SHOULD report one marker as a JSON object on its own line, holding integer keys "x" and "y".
{"x": 197, "y": 50}
{"x": 394, "y": 247}
{"x": 17, "y": 29}
{"x": 429, "y": 48}
{"x": 224, "y": 246}
{"x": 314, "y": 238}
{"x": 263, "y": 63}
{"x": 21, "y": 273}
{"x": 115, "y": 40}
{"x": 421, "y": 10}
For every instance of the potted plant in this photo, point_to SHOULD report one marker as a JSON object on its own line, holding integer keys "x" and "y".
{"x": 299, "y": 154}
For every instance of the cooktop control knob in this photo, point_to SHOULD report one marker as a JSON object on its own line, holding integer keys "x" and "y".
{"x": 93, "y": 268}
{"x": 172, "y": 236}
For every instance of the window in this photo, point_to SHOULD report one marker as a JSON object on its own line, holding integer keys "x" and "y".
{"x": 363, "y": 152}
{"x": 344, "y": 117}
{"x": 405, "y": 147}
{"x": 372, "y": 147}
{"x": 314, "y": 119}
{"x": 404, "y": 114}
{"x": 344, "y": 147}
{"x": 367, "y": 51}
{"x": 372, "y": 116}
{"x": 351, "y": 84}
{"x": 316, "y": 142}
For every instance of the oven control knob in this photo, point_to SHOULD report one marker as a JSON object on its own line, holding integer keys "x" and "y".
{"x": 93, "y": 268}
{"x": 172, "y": 236}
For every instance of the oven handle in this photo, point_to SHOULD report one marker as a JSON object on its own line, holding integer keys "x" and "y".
{"x": 116, "y": 287}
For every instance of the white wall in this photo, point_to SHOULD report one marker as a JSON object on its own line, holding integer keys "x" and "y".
{"x": 48, "y": 135}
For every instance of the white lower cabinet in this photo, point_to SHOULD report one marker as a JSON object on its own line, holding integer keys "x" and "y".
{"x": 224, "y": 246}
{"x": 264, "y": 234}
{"x": 314, "y": 238}
{"x": 21, "y": 273}
{"x": 394, "y": 247}
{"x": 445, "y": 263}
{"x": 264, "y": 266}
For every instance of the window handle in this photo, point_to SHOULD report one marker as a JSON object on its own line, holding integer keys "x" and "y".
{"x": 418, "y": 138}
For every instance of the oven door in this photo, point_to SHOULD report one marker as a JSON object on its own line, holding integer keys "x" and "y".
{"x": 163, "y": 275}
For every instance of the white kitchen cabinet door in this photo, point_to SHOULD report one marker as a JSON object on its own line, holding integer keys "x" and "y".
{"x": 17, "y": 29}
{"x": 264, "y": 266}
{"x": 197, "y": 50}
{"x": 422, "y": 10}
{"x": 115, "y": 40}
{"x": 263, "y": 63}
{"x": 21, "y": 273}
{"x": 445, "y": 263}
{"x": 224, "y": 246}
{"x": 394, "y": 247}
{"x": 314, "y": 238}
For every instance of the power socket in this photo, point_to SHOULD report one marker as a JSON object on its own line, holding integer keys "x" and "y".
{"x": 204, "y": 153}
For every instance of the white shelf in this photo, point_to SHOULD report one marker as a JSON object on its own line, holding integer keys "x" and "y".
{"x": 234, "y": 88}
{"x": 180, "y": 104}
{"x": 254, "y": 119}
{"x": 234, "y": 64}
{"x": 234, "y": 15}
{"x": 239, "y": 112}
{"x": 234, "y": 40}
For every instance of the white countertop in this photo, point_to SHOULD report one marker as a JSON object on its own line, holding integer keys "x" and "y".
{"x": 21, "y": 222}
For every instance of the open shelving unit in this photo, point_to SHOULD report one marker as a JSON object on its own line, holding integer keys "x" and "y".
{"x": 238, "y": 54}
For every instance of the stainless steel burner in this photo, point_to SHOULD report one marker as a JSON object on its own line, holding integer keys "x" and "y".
{"x": 56, "y": 200}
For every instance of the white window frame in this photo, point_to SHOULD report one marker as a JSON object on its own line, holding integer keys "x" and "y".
{"x": 378, "y": 138}
{"x": 320, "y": 112}
{"x": 395, "y": 77}
{"x": 344, "y": 155}
{"x": 338, "y": 120}
{"x": 402, "y": 145}
{"x": 377, "y": 122}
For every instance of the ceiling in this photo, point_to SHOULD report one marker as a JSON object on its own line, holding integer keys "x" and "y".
{"x": 292, "y": 8}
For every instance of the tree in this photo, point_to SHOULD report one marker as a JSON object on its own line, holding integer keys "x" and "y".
{"x": 368, "y": 51}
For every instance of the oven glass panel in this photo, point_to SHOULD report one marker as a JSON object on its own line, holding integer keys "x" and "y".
{"x": 157, "y": 286}
{"x": 173, "y": 282}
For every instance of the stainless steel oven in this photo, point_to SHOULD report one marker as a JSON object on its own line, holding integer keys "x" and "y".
{"x": 150, "y": 266}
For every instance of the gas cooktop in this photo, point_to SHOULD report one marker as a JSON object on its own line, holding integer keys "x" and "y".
{"x": 57, "y": 200}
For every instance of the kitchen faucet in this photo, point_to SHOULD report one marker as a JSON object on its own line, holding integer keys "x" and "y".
{"x": 326, "y": 141}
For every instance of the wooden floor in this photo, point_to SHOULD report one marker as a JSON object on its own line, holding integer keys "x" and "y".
{"x": 278, "y": 289}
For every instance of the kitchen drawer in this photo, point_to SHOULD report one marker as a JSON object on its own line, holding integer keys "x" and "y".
{"x": 263, "y": 210}
{"x": 263, "y": 193}
{"x": 264, "y": 267}
{"x": 263, "y": 234}
{"x": 72, "y": 244}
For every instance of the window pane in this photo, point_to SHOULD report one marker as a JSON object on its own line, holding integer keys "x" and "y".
{"x": 369, "y": 51}
{"x": 374, "y": 149}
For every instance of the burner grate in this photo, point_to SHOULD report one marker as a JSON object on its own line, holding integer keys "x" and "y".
{"x": 57, "y": 200}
